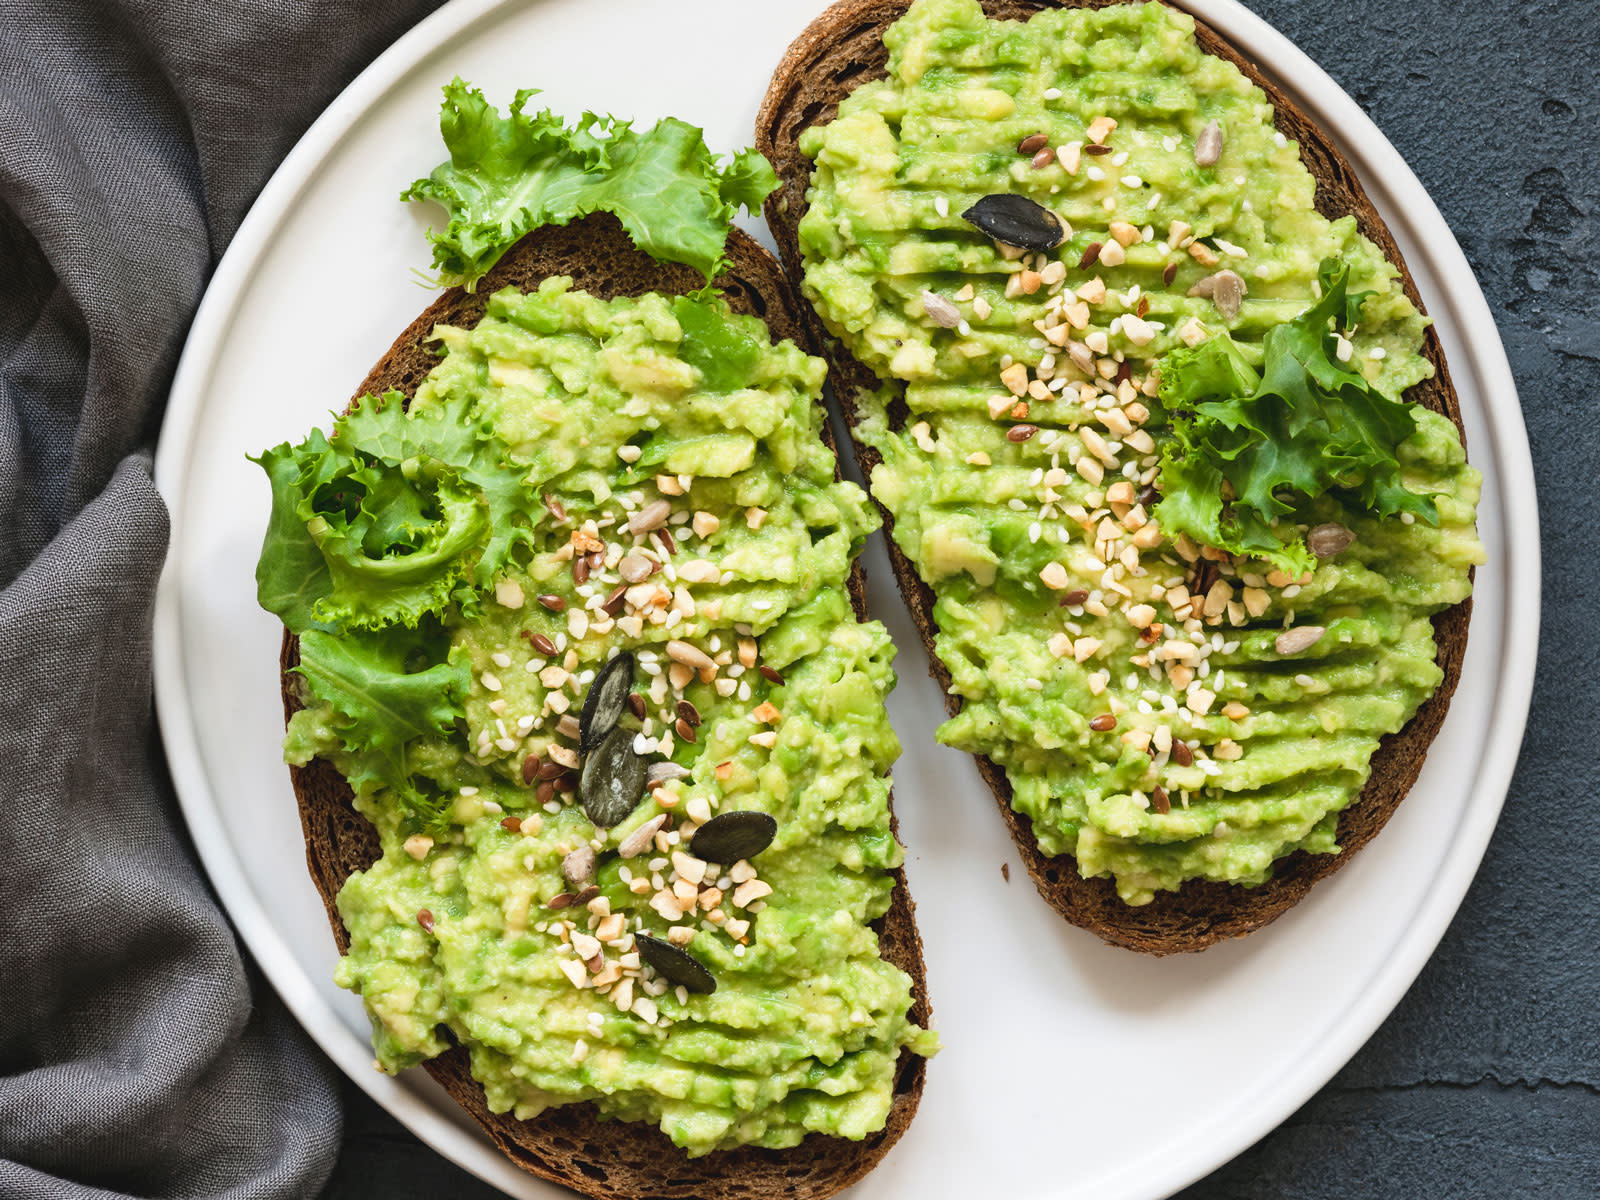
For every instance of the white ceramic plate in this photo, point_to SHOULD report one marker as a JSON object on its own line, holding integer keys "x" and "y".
{"x": 1070, "y": 1068}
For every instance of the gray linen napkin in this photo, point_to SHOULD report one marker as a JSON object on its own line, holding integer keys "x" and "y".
{"x": 139, "y": 1053}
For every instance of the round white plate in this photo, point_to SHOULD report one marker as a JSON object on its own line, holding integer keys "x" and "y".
{"x": 1070, "y": 1068}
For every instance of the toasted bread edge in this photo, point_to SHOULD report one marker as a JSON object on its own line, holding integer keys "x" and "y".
{"x": 842, "y": 49}
{"x": 570, "y": 1144}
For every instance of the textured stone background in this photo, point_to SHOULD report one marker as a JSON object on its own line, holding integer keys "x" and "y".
{"x": 1486, "y": 1080}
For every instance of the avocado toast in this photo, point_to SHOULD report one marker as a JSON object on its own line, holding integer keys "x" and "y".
{"x": 728, "y": 750}
{"x": 1124, "y": 182}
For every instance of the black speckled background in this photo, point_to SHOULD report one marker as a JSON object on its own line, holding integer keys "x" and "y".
{"x": 1486, "y": 1080}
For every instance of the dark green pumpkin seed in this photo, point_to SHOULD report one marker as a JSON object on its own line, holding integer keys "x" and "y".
{"x": 677, "y": 966}
{"x": 1016, "y": 221}
{"x": 612, "y": 780}
{"x": 730, "y": 836}
{"x": 608, "y": 696}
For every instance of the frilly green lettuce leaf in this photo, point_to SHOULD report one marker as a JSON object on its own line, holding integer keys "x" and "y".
{"x": 391, "y": 517}
{"x": 388, "y": 689}
{"x": 508, "y": 175}
{"x": 1302, "y": 427}
{"x": 291, "y": 574}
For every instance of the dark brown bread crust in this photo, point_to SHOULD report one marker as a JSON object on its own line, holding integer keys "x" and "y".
{"x": 844, "y": 48}
{"x": 612, "y": 1160}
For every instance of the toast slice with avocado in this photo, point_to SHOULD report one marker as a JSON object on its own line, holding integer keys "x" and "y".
{"x": 569, "y": 1143}
{"x": 913, "y": 208}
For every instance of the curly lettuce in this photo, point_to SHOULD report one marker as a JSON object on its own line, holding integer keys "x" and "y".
{"x": 1246, "y": 448}
{"x": 508, "y": 175}
{"x": 382, "y": 694}
{"x": 390, "y": 517}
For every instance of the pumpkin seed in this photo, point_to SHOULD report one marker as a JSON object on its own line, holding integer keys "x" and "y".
{"x": 608, "y": 696}
{"x": 1016, "y": 221}
{"x": 731, "y": 836}
{"x": 677, "y": 966}
{"x": 612, "y": 780}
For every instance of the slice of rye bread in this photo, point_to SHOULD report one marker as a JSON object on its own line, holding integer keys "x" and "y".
{"x": 612, "y": 1160}
{"x": 842, "y": 49}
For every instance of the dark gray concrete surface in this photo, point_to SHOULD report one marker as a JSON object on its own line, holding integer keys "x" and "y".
{"x": 1486, "y": 1080}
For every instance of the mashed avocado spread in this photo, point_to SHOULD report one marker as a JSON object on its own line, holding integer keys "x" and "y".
{"x": 1080, "y": 248}
{"x": 575, "y": 481}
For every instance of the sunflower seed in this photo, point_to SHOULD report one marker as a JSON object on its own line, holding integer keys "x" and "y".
{"x": 665, "y": 772}
{"x": 1227, "y": 291}
{"x": 637, "y": 842}
{"x": 577, "y": 868}
{"x": 1302, "y": 637}
{"x": 689, "y": 656}
{"x": 652, "y": 516}
{"x": 940, "y": 311}
{"x": 1208, "y": 146}
{"x": 1327, "y": 540}
{"x": 634, "y": 568}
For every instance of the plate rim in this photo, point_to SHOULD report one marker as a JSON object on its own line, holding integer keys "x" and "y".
{"x": 1405, "y": 204}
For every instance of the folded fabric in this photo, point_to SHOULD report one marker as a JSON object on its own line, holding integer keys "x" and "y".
{"x": 140, "y": 1054}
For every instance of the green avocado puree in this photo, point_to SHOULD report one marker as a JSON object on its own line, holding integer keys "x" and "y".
{"x": 1131, "y": 684}
{"x": 732, "y": 596}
